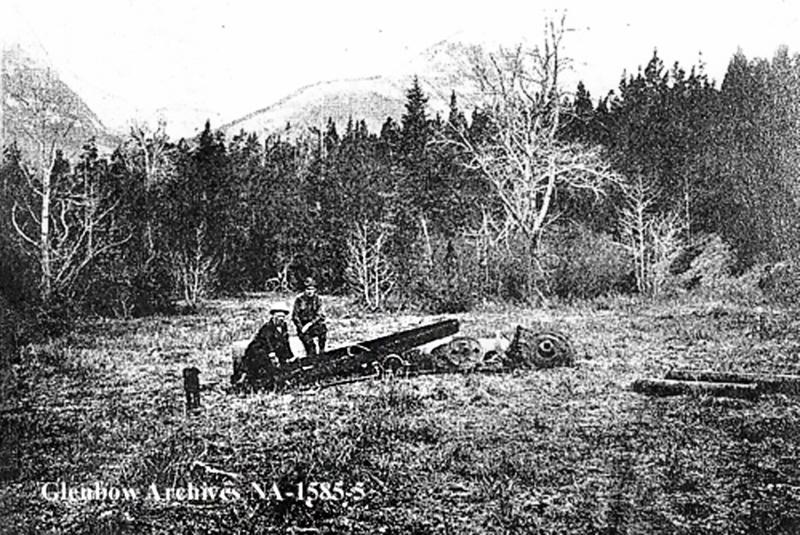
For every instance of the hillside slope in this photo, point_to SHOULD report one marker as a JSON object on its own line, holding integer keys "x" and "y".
{"x": 38, "y": 107}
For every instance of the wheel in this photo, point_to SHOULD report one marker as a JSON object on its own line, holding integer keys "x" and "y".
{"x": 462, "y": 353}
{"x": 546, "y": 348}
{"x": 394, "y": 366}
{"x": 356, "y": 350}
{"x": 541, "y": 349}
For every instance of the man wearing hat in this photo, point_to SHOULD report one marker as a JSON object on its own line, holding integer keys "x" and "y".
{"x": 270, "y": 349}
{"x": 309, "y": 319}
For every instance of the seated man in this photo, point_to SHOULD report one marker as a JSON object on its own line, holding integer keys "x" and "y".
{"x": 268, "y": 351}
{"x": 309, "y": 319}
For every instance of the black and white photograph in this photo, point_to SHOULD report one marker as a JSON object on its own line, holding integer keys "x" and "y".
{"x": 388, "y": 268}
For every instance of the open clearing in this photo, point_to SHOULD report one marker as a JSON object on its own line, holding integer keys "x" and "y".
{"x": 567, "y": 450}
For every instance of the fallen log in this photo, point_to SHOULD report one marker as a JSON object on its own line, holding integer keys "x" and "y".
{"x": 785, "y": 384}
{"x": 669, "y": 387}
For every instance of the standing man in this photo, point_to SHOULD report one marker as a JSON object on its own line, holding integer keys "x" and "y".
{"x": 269, "y": 350}
{"x": 309, "y": 319}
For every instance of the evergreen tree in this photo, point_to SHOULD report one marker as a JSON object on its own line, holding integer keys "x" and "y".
{"x": 579, "y": 120}
{"x": 198, "y": 215}
{"x": 755, "y": 158}
{"x": 389, "y": 140}
{"x": 331, "y": 137}
{"x": 415, "y": 125}
{"x": 455, "y": 118}
{"x": 657, "y": 127}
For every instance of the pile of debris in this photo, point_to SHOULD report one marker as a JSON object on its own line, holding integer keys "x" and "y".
{"x": 428, "y": 349}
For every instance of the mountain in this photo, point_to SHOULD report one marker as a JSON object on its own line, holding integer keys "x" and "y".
{"x": 373, "y": 99}
{"x": 440, "y": 70}
{"x": 41, "y": 111}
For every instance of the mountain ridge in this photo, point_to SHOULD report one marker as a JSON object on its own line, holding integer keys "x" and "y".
{"x": 439, "y": 69}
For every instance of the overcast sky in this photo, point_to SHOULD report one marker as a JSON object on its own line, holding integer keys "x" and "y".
{"x": 191, "y": 60}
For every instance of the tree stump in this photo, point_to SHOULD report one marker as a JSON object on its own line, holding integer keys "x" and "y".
{"x": 191, "y": 387}
{"x": 540, "y": 349}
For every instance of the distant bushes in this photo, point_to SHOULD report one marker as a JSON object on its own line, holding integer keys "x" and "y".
{"x": 573, "y": 263}
{"x": 130, "y": 289}
{"x": 23, "y": 318}
{"x": 583, "y": 263}
{"x": 708, "y": 264}
{"x": 576, "y": 262}
{"x": 781, "y": 282}
{"x": 10, "y": 326}
{"x": 708, "y": 267}
{"x": 443, "y": 278}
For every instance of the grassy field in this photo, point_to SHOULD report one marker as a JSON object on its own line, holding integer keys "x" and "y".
{"x": 568, "y": 450}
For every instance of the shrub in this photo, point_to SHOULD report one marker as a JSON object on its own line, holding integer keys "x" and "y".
{"x": 17, "y": 296}
{"x": 708, "y": 268}
{"x": 123, "y": 289}
{"x": 707, "y": 265}
{"x": 781, "y": 282}
{"x": 445, "y": 282}
{"x": 582, "y": 263}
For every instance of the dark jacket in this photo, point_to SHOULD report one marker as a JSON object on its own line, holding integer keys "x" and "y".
{"x": 307, "y": 309}
{"x": 271, "y": 338}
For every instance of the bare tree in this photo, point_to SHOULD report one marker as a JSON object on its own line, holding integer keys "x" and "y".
{"x": 369, "y": 270}
{"x": 75, "y": 223}
{"x": 59, "y": 223}
{"x": 522, "y": 155}
{"x": 281, "y": 281}
{"x": 634, "y": 221}
{"x": 150, "y": 149}
{"x": 651, "y": 239}
{"x": 148, "y": 152}
{"x": 193, "y": 269}
{"x": 666, "y": 241}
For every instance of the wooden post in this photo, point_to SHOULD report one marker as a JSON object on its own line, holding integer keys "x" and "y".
{"x": 191, "y": 387}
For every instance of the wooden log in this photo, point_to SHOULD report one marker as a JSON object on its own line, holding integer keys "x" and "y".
{"x": 785, "y": 384}
{"x": 540, "y": 349}
{"x": 668, "y": 387}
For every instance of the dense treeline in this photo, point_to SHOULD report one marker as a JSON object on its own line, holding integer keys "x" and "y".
{"x": 724, "y": 160}
{"x": 406, "y": 215}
